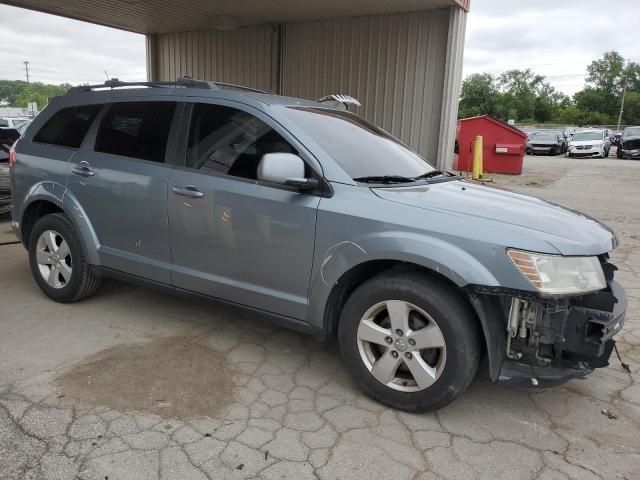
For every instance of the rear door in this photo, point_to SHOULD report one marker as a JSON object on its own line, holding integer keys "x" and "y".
{"x": 119, "y": 177}
{"x": 233, "y": 237}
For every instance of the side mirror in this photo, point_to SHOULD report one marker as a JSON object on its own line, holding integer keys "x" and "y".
{"x": 285, "y": 169}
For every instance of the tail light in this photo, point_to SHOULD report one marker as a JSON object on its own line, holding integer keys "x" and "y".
{"x": 12, "y": 157}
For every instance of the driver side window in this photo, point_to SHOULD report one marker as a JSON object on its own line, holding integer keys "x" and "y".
{"x": 230, "y": 141}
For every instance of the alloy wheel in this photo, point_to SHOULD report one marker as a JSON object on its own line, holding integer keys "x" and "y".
{"x": 54, "y": 259}
{"x": 401, "y": 345}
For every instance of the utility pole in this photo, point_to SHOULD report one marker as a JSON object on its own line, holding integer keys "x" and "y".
{"x": 624, "y": 92}
{"x": 26, "y": 69}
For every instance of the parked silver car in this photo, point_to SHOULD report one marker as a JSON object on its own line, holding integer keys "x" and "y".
{"x": 321, "y": 221}
{"x": 589, "y": 143}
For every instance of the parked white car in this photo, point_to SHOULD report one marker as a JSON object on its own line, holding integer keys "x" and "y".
{"x": 589, "y": 143}
{"x": 12, "y": 122}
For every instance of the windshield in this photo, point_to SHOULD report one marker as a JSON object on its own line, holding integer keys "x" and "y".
{"x": 545, "y": 137}
{"x": 581, "y": 136}
{"x": 631, "y": 132}
{"x": 22, "y": 127}
{"x": 359, "y": 147}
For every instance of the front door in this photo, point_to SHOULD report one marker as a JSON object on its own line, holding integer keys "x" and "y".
{"x": 233, "y": 237}
{"x": 119, "y": 178}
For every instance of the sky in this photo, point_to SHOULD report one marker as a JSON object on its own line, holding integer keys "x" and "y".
{"x": 555, "y": 38}
{"x": 62, "y": 50}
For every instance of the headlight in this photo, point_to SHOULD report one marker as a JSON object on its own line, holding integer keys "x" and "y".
{"x": 555, "y": 274}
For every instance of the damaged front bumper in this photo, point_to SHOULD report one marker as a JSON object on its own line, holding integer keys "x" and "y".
{"x": 635, "y": 153}
{"x": 548, "y": 341}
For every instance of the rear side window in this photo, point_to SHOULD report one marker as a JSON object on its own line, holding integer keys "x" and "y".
{"x": 136, "y": 130}
{"x": 68, "y": 127}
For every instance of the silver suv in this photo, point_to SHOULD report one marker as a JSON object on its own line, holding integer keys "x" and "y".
{"x": 322, "y": 221}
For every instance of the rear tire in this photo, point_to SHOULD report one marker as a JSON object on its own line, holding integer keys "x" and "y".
{"x": 436, "y": 317}
{"x": 57, "y": 260}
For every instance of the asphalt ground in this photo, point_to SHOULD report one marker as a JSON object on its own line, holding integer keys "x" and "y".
{"x": 135, "y": 384}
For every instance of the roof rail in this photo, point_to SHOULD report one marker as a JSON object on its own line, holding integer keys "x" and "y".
{"x": 240, "y": 87}
{"x": 185, "y": 82}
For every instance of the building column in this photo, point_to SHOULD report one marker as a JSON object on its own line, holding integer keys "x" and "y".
{"x": 452, "y": 87}
{"x": 153, "y": 73}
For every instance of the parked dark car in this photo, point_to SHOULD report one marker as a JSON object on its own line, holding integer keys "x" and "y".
{"x": 614, "y": 139}
{"x": 7, "y": 138}
{"x": 629, "y": 143}
{"x": 544, "y": 143}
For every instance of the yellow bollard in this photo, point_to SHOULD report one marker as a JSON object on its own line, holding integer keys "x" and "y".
{"x": 477, "y": 158}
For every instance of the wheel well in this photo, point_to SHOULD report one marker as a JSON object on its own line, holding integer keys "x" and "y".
{"x": 353, "y": 278}
{"x": 32, "y": 214}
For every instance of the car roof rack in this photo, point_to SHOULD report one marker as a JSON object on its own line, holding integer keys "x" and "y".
{"x": 184, "y": 82}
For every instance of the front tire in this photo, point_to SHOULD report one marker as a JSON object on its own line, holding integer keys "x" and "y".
{"x": 57, "y": 260}
{"x": 409, "y": 340}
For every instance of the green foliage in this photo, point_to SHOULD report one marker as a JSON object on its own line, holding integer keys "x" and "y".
{"x": 18, "y": 93}
{"x": 631, "y": 114}
{"x": 524, "y": 96}
{"x": 39, "y": 93}
{"x": 479, "y": 95}
{"x": 9, "y": 90}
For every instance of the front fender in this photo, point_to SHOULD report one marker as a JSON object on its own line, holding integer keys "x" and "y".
{"x": 62, "y": 198}
{"x": 435, "y": 254}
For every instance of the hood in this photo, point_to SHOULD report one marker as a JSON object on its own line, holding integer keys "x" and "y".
{"x": 575, "y": 143}
{"x": 631, "y": 141}
{"x": 567, "y": 231}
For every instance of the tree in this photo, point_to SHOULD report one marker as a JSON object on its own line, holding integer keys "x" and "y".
{"x": 479, "y": 95}
{"x": 605, "y": 74}
{"x": 632, "y": 76}
{"x": 520, "y": 89}
{"x": 605, "y": 81}
{"x": 525, "y": 96}
{"x": 9, "y": 90}
{"x": 631, "y": 114}
{"x": 40, "y": 93}
{"x": 547, "y": 102}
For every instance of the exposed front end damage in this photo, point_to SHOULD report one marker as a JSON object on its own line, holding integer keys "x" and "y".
{"x": 548, "y": 341}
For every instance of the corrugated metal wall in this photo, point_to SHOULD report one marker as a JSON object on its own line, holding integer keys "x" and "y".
{"x": 247, "y": 56}
{"x": 393, "y": 64}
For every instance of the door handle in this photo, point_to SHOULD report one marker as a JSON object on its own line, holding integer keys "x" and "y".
{"x": 83, "y": 169}
{"x": 188, "y": 191}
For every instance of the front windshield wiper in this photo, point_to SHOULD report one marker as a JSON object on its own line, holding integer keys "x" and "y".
{"x": 400, "y": 178}
{"x": 431, "y": 174}
{"x": 385, "y": 179}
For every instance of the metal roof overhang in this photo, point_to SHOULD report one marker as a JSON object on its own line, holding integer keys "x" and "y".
{"x": 162, "y": 16}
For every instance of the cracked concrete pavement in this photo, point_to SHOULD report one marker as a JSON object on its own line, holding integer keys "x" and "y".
{"x": 295, "y": 412}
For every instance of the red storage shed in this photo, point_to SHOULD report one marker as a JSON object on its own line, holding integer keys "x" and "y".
{"x": 504, "y": 145}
